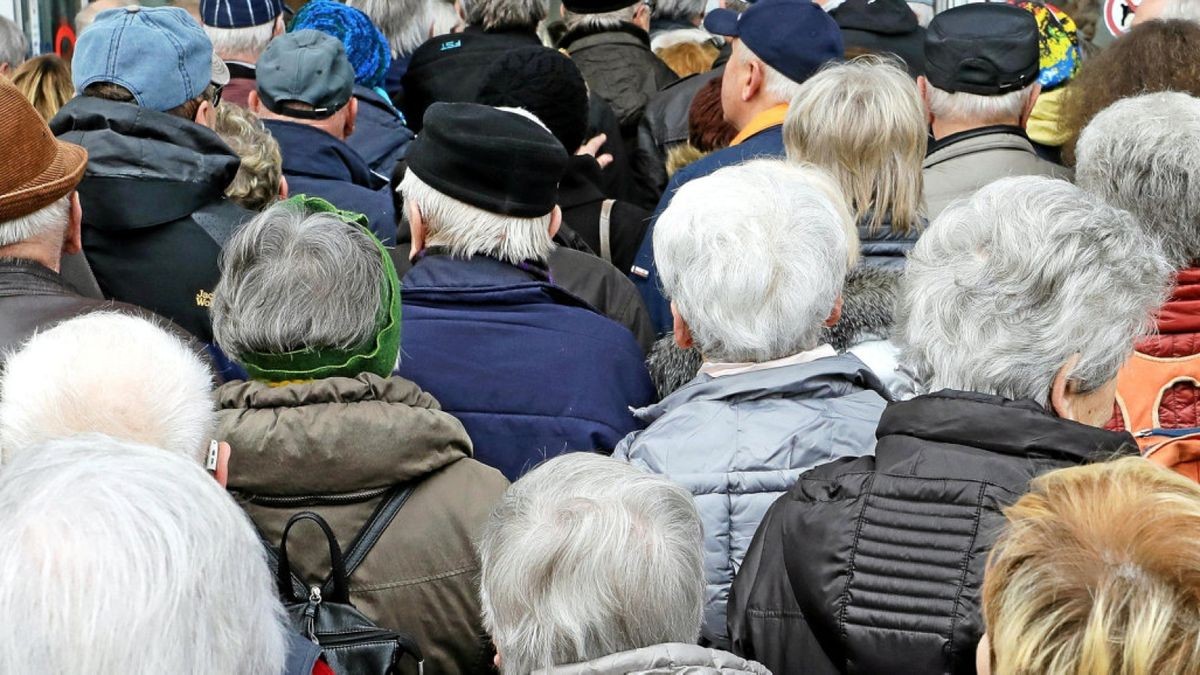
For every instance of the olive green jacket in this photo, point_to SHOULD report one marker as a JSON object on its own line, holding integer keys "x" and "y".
{"x": 334, "y": 446}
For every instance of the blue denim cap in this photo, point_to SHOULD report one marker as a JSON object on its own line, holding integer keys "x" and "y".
{"x": 239, "y": 13}
{"x": 795, "y": 37}
{"x": 161, "y": 55}
{"x": 306, "y": 66}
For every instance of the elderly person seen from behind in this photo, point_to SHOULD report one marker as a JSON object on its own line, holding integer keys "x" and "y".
{"x": 309, "y": 304}
{"x": 1019, "y": 307}
{"x": 753, "y": 258}
{"x": 593, "y": 567}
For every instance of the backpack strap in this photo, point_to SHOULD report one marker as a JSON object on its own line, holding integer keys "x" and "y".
{"x": 340, "y": 590}
{"x": 369, "y": 535}
{"x": 1142, "y": 383}
{"x": 299, "y": 590}
{"x": 606, "y": 208}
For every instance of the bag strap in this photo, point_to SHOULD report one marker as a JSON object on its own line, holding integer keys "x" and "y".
{"x": 339, "y": 592}
{"x": 606, "y": 208}
{"x": 369, "y": 535}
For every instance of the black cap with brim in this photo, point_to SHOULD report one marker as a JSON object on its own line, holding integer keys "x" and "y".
{"x": 986, "y": 49}
{"x": 492, "y": 159}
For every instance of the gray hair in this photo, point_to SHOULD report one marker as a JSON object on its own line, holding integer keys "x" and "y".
{"x": 588, "y": 556}
{"x": 13, "y": 45}
{"x": 107, "y": 373}
{"x": 678, "y": 9}
{"x": 120, "y": 557}
{"x": 975, "y": 108}
{"x": 230, "y": 42}
{"x": 603, "y": 20}
{"x": 53, "y": 218}
{"x": 493, "y": 14}
{"x": 291, "y": 279}
{"x": 1143, "y": 154}
{"x": 775, "y": 83}
{"x": 753, "y": 258}
{"x": 1006, "y": 286}
{"x": 468, "y": 230}
{"x": 406, "y": 23}
{"x": 1188, "y": 10}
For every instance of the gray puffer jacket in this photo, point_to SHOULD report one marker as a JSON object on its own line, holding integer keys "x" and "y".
{"x": 671, "y": 658}
{"x": 739, "y": 441}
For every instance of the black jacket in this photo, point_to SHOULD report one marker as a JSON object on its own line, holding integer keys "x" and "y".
{"x": 884, "y": 247}
{"x": 663, "y": 126}
{"x": 155, "y": 214}
{"x": 380, "y": 136}
{"x": 619, "y": 66}
{"x": 581, "y": 200}
{"x": 883, "y": 27}
{"x": 874, "y": 564}
{"x": 450, "y": 68}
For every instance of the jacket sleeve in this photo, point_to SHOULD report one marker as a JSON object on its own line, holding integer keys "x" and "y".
{"x": 649, "y": 167}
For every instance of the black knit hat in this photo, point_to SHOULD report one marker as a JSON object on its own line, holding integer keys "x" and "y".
{"x": 492, "y": 159}
{"x": 982, "y": 48}
{"x": 547, "y": 84}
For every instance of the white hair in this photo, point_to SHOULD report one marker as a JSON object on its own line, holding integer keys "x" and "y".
{"x": 265, "y": 300}
{"x": 493, "y": 14}
{"x": 406, "y": 23}
{"x": 603, "y": 20}
{"x": 53, "y": 218}
{"x": 107, "y": 373}
{"x": 588, "y": 556}
{"x": 13, "y": 45}
{"x": 468, "y": 230}
{"x": 230, "y": 42}
{"x": 122, "y": 558}
{"x": 443, "y": 17}
{"x": 1143, "y": 154}
{"x": 775, "y": 83}
{"x": 1005, "y": 287}
{"x": 1189, "y": 10}
{"x": 754, "y": 257}
{"x": 1001, "y": 109}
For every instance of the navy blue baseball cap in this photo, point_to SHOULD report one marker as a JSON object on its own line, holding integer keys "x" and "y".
{"x": 795, "y": 37}
{"x": 239, "y": 13}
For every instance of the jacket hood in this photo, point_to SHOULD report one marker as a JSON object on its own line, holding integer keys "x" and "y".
{"x": 828, "y": 377}
{"x": 145, "y": 168}
{"x": 335, "y": 435}
{"x": 661, "y": 659}
{"x": 1181, "y": 314}
{"x": 995, "y": 424}
{"x": 882, "y": 17}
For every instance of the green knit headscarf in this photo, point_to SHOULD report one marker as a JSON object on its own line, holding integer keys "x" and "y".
{"x": 377, "y": 356}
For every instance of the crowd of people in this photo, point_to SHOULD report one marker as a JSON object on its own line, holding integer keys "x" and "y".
{"x": 746, "y": 337}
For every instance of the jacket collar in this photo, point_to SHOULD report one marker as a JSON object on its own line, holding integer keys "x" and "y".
{"x": 334, "y": 435}
{"x": 767, "y": 119}
{"x": 445, "y": 279}
{"x": 314, "y": 153}
{"x": 828, "y": 377}
{"x": 996, "y": 424}
{"x": 997, "y": 137}
{"x": 584, "y": 37}
{"x": 26, "y": 277}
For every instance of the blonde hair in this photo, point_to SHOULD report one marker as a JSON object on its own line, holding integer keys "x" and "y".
{"x": 45, "y": 82}
{"x": 256, "y": 185}
{"x": 688, "y": 58}
{"x": 1098, "y": 572}
{"x": 863, "y": 121}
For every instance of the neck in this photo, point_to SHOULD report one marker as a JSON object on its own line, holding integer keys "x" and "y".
{"x": 36, "y": 251}
{"x": 753, "y": 109}
{"x": 944, "y": 128}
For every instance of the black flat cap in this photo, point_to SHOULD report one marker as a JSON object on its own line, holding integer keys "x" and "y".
{"x": 982, "y": 48}
{"x": 489, "y": 158}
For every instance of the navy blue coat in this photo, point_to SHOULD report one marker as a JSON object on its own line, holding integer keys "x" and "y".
{"x": 319, "y": 165}
{"x": 530, "y": 370}
{"x": 766, "y": 143}
{"x": 380, "y": 136}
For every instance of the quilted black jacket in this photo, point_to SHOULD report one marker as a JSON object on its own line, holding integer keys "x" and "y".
{"x": 619, "y": 66}
{"x": 874, "y": 564}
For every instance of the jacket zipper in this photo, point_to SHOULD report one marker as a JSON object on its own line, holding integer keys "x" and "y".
{"x": 314, "y": 500}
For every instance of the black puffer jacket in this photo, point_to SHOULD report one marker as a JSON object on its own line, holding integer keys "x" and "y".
{"x": 884, "y": 247}
{"x": 155, "y": 216}
{"x": 874, "y": 564}
{"x": 619, "y": 66}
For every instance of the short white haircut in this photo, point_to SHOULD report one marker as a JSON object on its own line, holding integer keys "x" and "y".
{"x": 602, "y": 20}
{"x": 1143, "y": 154}
{"x": 1005, "y": 287}
{"x": 754, "y": 257}
{"x": 493, "y": 14}
{"x": 588, "y": 556}
{"x": 405, "y": 23}
{"x": 467, "y": 230}
{"x": 122, "y": 558}
{"x": 230, "y": 42}
{"x": 1001, "y": 109}
{"x": 775, "y": 83}
{"x": 107, "y": 373}
{"x": 53, "y": 218}
{"x": 13, "y": 45}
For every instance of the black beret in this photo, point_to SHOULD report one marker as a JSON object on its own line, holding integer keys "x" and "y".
{"x": 596, "y": 6}
{"x": 982, "y": 48}
{"x": 492, "y": 159}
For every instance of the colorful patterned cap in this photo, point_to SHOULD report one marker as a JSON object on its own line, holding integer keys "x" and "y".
{"x": 1058, "y": 43}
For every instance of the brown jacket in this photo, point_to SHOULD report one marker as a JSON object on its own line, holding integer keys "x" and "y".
{"x": 334, "y": 446}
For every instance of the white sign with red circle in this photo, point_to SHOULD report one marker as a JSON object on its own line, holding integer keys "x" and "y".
{"x": 1118, "y": 15}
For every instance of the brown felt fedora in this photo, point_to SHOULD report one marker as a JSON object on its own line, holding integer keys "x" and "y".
{"x": 37, "y": 168}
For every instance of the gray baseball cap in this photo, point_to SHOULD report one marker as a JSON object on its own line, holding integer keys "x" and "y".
{"x": 307, "y": 67}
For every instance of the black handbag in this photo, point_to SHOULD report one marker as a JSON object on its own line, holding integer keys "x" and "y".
{"x": 352, "y": 644}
